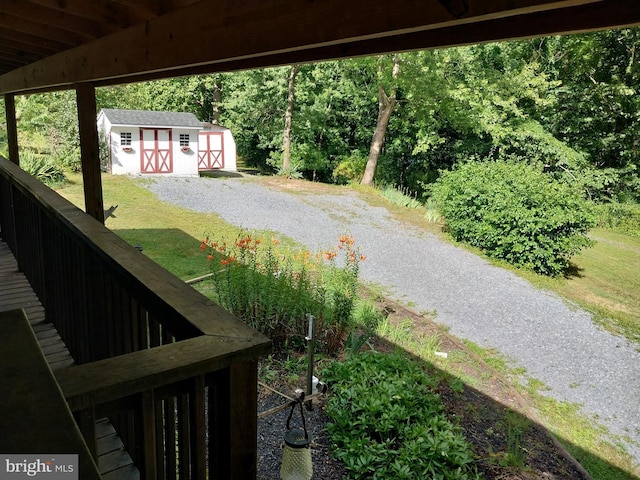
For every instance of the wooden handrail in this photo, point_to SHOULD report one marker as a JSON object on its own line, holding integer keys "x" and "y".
{"x": 137, "y": 273}
{"x": 118, "y": 377}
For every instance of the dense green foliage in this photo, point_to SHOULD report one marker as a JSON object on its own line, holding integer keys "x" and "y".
{"x": 621, "y": 217}
{"x": 387, "y": 422}
{"x": 515, "y": 212}
{"x": 47, "y": 171}
{"x": 570, "y": 103}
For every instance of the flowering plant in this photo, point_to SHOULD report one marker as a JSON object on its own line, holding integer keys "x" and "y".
{"x": 272, "y": 288}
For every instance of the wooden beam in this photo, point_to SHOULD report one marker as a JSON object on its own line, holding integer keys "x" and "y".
{"x": 252, "y": 29}
{"x": 88, "y": 129}
{"x": 61, "y": 18}
{"x": 580, "y": 19}
{"x": 12, "y": 128}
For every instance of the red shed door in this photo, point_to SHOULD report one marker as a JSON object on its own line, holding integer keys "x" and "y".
{"x": 210, "y": 150}
{"x": 155, "y": 151}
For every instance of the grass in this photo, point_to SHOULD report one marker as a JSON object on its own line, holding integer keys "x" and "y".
{"x": 606, "y": 281}
{"x": 169, "y": 235}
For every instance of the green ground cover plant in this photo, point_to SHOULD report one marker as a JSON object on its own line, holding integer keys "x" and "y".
{"x": 387, "y": 422}
{"x": 515, "y": 212}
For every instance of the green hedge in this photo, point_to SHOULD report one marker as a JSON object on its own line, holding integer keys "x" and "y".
{"x": 387, "y": 422}
{"x": 515, "y": 212}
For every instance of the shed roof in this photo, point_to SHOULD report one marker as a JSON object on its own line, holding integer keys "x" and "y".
{"x": 151, "y": 118}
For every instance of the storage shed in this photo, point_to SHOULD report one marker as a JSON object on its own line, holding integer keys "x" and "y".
{"x": 148, "y": 142}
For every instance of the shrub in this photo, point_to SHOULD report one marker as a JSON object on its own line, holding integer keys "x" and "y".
{"x": 622, "y": 217}
{"x": 350, "y": 168}
{"x": 274, "y": 292}
{"x": 43, "y": 169}
{"x": 515, "y": 212}
{"x": 387, "y": 422}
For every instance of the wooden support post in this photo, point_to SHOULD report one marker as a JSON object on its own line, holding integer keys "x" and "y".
{"x": 89, "y": 148}
{"x": 12, "y": 128}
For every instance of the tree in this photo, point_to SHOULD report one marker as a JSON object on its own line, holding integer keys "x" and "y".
{"x": 386, "y": 103}
{"x": 288, "y": 116}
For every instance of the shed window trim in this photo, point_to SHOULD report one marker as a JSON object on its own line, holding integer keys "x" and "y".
{"x": 125, "y": 139}
{"x": 184, "y": 139}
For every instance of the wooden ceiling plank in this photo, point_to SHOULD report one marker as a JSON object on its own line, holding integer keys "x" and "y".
{"x": 243, "y": 32}
{"x": 60, "y": 18}
{"x": 46, "y": 32}
{"x": 146, "y": 7}
{"x": 579, "y": 19}
{"x": 104, "y": 11}
{"x": 25, "y": 57}
{"x": 38, "y": 51}
{"x": 33, "y": 41}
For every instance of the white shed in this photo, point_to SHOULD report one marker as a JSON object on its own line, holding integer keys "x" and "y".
{"x": 147, "y": 142}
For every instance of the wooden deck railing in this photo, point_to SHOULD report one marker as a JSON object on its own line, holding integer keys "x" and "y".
{"x": 175, "y": 373}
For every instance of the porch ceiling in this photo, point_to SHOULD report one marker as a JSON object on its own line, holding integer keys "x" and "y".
{"x": 54, "y": 44}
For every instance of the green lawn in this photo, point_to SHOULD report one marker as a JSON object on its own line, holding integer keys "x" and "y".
{"x": 169, "y": 235}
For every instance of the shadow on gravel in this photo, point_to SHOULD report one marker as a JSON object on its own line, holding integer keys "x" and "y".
{"x": 220, "y": 174}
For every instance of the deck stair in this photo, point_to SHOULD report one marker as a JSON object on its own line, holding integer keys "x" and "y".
{"x": 114, "y": 462}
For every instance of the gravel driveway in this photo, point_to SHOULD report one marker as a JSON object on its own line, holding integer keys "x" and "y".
{"x": 558, "y": 344}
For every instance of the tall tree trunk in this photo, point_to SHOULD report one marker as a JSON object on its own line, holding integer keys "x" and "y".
{"x": 386, "y": 104}
{"x": 217, "y": 100}
{"x": 288, "y": 116}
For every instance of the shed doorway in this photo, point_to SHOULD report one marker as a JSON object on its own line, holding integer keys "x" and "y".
{"x": 210, "y": 150}
{"x": 155, "y": 150}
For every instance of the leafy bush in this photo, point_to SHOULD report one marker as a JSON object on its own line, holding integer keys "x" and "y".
{"x": 274, "y": 292}
{"x": 515, "y": 212}
{"x": 45, "y": 170}
{"x": 350, "y": 168}
{"x": 387, "y": 422}
{"x": 622, "y": 217}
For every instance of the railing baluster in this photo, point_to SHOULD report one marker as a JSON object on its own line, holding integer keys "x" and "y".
{"x": 184, "y": 447}
{"x": 149, "y": 436}
{"x": 219, "y": 397}
{"x": 170, "y": 426}
{"x": 198, "y": 429}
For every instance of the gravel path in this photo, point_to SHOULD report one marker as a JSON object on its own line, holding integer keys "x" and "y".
{"x": 556, "y": 343}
